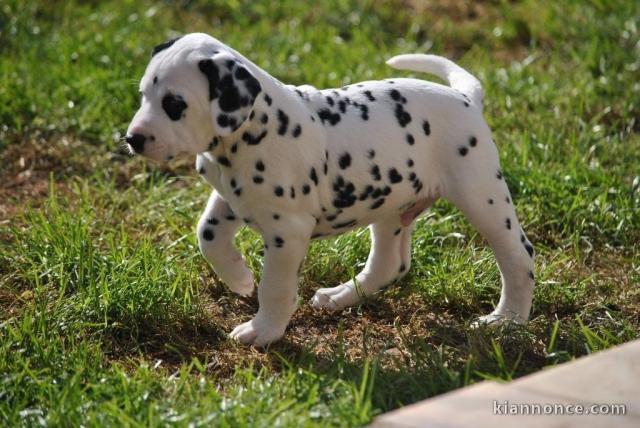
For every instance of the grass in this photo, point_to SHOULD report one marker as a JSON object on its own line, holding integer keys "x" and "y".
{"x": 109, "y": 316}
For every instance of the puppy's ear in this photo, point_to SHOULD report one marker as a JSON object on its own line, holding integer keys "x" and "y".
{"x": 232, "y": 91}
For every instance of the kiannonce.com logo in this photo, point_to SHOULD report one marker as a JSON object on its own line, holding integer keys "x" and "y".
{"x": 507, "y": 408}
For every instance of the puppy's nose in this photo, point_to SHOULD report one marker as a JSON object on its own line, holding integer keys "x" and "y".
{"x": 136, "y": 141}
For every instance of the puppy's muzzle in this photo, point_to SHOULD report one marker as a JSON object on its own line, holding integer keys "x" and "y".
{"x": 136, "y": 141}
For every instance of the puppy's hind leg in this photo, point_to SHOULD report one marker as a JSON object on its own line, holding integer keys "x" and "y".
{"x": 481, "y": 193}
{"x": 389, "y": 259}
{"x": 216, "y": 231}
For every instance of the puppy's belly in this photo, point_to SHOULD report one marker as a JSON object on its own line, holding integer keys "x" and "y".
{"x": 399, "y": 207}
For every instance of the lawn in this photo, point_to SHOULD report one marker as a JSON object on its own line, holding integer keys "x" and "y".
{"x": 109, "y": 316}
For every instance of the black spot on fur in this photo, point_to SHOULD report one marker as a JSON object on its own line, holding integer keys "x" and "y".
{"x": 426, "y": 127}
{"x": 254, "y": 140}
{"x": 463, "y": 151}
{"x": 276, "y": 216}
{"x": 371, "y": 153}
{"x": 279, "y": 191}
{"x": 330, "y": 101}
{"x": 327, "y": 116}
{"x": 173, "y": 106}
{"x": 410, "y": 139}
{"x": 331, "y": 217}
{"x": 264, "y": 118}
{"x": 259, "y": 165}
{"x": 342, "y": 106}
{"x": 213, "y": 221}
{"x": 369, "y": 95}
{"x": 366, "y": 192}
{"x": 222, "y": 160}
{"x": 507, "y": 200}
{"x": 490, "y": 201}
{"x": 395, "y": 94}
{"x": 208, "y": 235}
{"x": 234, "y": 148}
{"x": 402, "y": 115}
{"x": 344, "y": 161}
{"x": 213, "y": 144}
{"x": 530, "y": 273}
{"x": 306, "y": 189}
{"x": 507, "y": 222}
{"x": 258, "y": 179}
{"x": 403, "y": 267}
{"x": 499, "y": 175}
{"x": 210, "y": 70}
{"x": 375, "y": 172}
{"x": 201, "y": 170}
{"x": 529, "y": 248}
{"x": 283, "y": 121}
{"x": 241, "y": 73}
{"x": 296, "y": 131}
{"x": 377, "y": 204}
{"x": 253, "y": 86}
{"x": 292, "y": 193}
{"x": 313, "y": 176}
{"x": 163, "y": 46}
{"x": 267, "y": 99}
{"x": 155, "y": 80}
{"x": 473, "y": 141}
{"x": 223, "y": 120}
{"x": 279, "y": 242}
{"x": 410, "y": 163}
{"x": 238, "y": 191}
{"x": 364, "y": 111}
{"x": 230, "y": 217}
{"x": 397, "y": 232}
{"x": 344, "y": 224}
{"x": 229, "y": 96}
{"x": 344, "y": 190}
{"x": 394, "y": 176}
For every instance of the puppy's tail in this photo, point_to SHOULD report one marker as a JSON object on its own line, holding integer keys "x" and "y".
{"x": 457, "y": 77}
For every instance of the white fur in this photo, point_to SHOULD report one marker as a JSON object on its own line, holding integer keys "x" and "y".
{"x": 454, "y": 115}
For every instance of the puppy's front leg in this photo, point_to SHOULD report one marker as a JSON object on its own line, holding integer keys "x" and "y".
{"x": 216, "y": 230}
{"x": 277, "y": 292}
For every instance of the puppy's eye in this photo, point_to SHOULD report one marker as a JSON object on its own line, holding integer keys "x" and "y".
{"x": 173, "y": 105}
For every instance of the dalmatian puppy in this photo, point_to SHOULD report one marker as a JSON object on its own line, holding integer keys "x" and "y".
{"x": 299, "y": 163}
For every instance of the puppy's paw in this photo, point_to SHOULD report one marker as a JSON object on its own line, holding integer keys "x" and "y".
{"x": 244, "y": 284}
{"x": 498, "y": 319}
{"x": 237, "y": 276}
{"x": 256, "y": 333}
{"x": 336, "y": 298}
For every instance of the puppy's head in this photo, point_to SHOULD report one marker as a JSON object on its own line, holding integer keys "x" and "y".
{"x": 194, "y": 89}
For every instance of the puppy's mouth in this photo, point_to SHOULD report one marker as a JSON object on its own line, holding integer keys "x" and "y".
{"x": 147, "y": 146}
